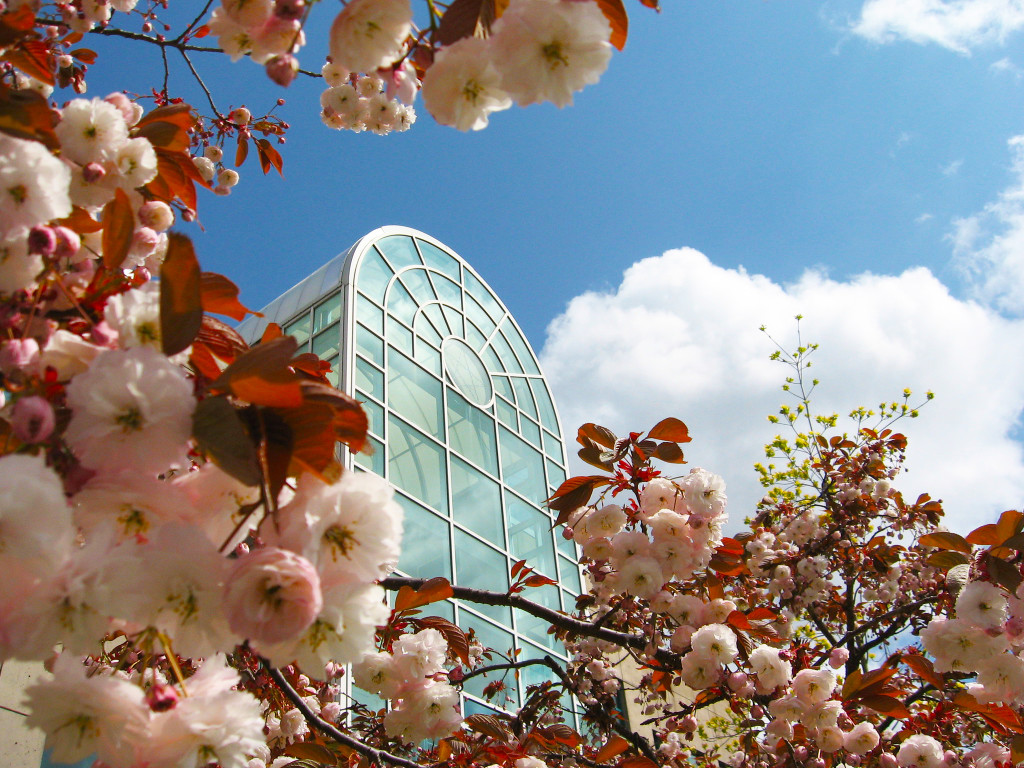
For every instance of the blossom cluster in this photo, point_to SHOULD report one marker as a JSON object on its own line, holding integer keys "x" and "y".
{"x": 425, "y": 706}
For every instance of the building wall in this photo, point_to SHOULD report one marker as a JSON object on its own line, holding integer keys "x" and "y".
{"x": 20, "y": 746}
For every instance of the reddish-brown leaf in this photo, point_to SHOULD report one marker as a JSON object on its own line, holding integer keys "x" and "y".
{"x": 985, "y": 536}
{"x": 84, "y": 55}
{"x": 1000, "y": 717}
{"x": 598, "y": 434}
{"x": 1009, "y": 523}
{"x": 762, "y": 614}
{"x": 573, "y": 494}
{"x": 466, "y": 18}
{"x": 715, "y": 589}
{"x": 946, "y": 560}
{"x": 458, "y": 643}
{"x": 312, "y": 440}
{"x": 317, "y": 754}
{"x": 26, "y": 115}
{"x": 269, "y": 156}
{"x": 347, "y": 422}
{"x": 81, "y": 221}
{"x": 262, "y": 376}
{"x": 637, "y": 761}
{"x": 1003, "y": 573}
{"x": 242, "y": 151}
{"x": 537, "y": 580}
{"x": 670, "y": 429}
{"x": 669, "y": 452}
{"x": 16, "y": 23}
{"x": 887, "y": 705}
{"x": 33, "y": 58}
{"x": 614, "y": 747}
{"x": 924, "y": 669}
{"x": 615, "y": 12}
{"x": 165, "y": 135}
{"x": 432, "y": 591}
{"x": 489, "y": 725}
{"x": 946, "y": 540}
{"x": 181, "y": 312}
{"x": 738, "y": 619}
{"x": 220, "y": 296}
{"x": 271, "y": 332}
{"x": 221, "y": 434}
{"x": 203, "y": 361}
{"x": 118, "y": 230}
{"x": 221, "y": 339}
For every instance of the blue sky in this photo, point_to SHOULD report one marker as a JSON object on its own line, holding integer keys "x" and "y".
{"x": 811, "y": 153}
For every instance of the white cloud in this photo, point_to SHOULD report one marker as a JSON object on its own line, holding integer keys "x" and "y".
{"x": 959, "y": 25}
{"x": 952, "y": 168}
{"x": 679, "y": 337}
{"x": 1005, "y": 66}
{"x": 989, "y": 246}
{"x": 924, "y": 218}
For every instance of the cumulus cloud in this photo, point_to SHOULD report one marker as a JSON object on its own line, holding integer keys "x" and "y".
{"x": 1006, "y": 66}
{"x": 959, "y": 25}
{"x": 679, "y": 337}
{"x": 989, "y": 246}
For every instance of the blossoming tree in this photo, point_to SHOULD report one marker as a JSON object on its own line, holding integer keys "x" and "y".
{"x": 175, "y": 523}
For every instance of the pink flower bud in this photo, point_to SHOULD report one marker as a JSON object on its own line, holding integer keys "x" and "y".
{"x": 33, "y": 419}
{"x": 42, "y": 240}
{"x": 102, "y": 335}
{"x": 240, "y": 116}
{"x": 455, "y": 674}
{"x": 289, "y": 10}
{"x": 64, "y": 61}
{"x": 161, "y": 698}
{"x": 737, "y": 680}
{"x": 282, "y": 69}
{"x": 800, "y": 753}
{"x": 838, "y": 657}
{"x": 887, "y": 760}
{"x": 18, "y": 354}
{"x": 214, "y": 154}
{"x": 156, "y": 214}
{"x": 688, "y": 724}
{"x": 93, "y": 172}
{"x": 68, "y": 242}
{"x": 757, "y": 711}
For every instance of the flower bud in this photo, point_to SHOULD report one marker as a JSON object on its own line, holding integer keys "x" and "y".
{"x": 33, "y": 419}
{"x": 18, "y": 354}
{"x": 240, "y": 116}
{"x": 214, "y": 154}
{"x": 282, "y": 69}
{"x": 161, "y": 698}
{"x": 688, "y": 724}
{"x": 93, "y": 172}
{"x": 289, "y": 10}
{"x": 157, "y": 215}
{"x": 838, "y": 657}
{"x": 42, "y": 240}
{"x": 68, "y": 242}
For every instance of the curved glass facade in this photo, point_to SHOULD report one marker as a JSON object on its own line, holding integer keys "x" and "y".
{"x": 462, "y": 423}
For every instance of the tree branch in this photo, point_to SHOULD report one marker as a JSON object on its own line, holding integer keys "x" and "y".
{"x": 371, "y": 754}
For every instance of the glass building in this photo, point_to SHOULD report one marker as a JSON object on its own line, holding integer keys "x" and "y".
{"x": 462, "y": 424}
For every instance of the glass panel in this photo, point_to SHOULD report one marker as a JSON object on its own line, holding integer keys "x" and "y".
{"x": 414, "y": 394}
{"x": 447, "y": 291}
{"x": 492, "y": 360}
{"x": 534, "y": 628}
{"x": 369, "y": 379}
{"x": 474, "y": 338}
{"x": 454, "y": 319}
{"x": 371, "y": 701}
{"x": 417, "y": 465}
{"x": 437, "y": 319}
{"x": 503, "y": 386}
{"x": 535, "y": 674}
{"x": 482, "y": 295}
{"x": 334, "y": 375}
{"x": 400, "y": 336}
{"x": 522, "y": 468}
{"x": 566, "y": 547}
{"x": 299, "y": 328}
{"x": 372, "y": 462}
{"x": 327, "y": 343}
{"x": 327, "y": 313}
{"x": 504, "y": 351}
{"x": 374, "y": 275}
{"x": 471, "y": 707}
{"x": 427, "y": 329}
{"x": 471, "y": 433}
{"x": 519, "y": 345}
{"x": 369, "y": 345}
{"x": 480, "y": 567}
{"x": 530, "y": 431}
{"x": 426, "y": 551}
{"x": 428, "y": 357}
{"x": 547, "y": 410}
{"x": 401, "y": 304}
{"x": 438, "y": 259}
{"x": 476, "y": 313}
{"x": 529, "y": 536}
{"x": 507, "y": 414}
{"x": 374, "y": 413}
{"x": 419, "y": 286}
{"x": 553, "y": 447}
{"x": 370, "y": 315}
{"x": 476, "y": 502}
{"x": 524, "y": 398}
{"x": 556, "y": 475}
{"x": 399, "y": 250}
{"x": 501, "y": 643}
{"x": 570, "y": 577}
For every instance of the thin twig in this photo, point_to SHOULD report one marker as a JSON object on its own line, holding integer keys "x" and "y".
{"x": 370, "y": 753}
{"x": 199, "y": 79}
